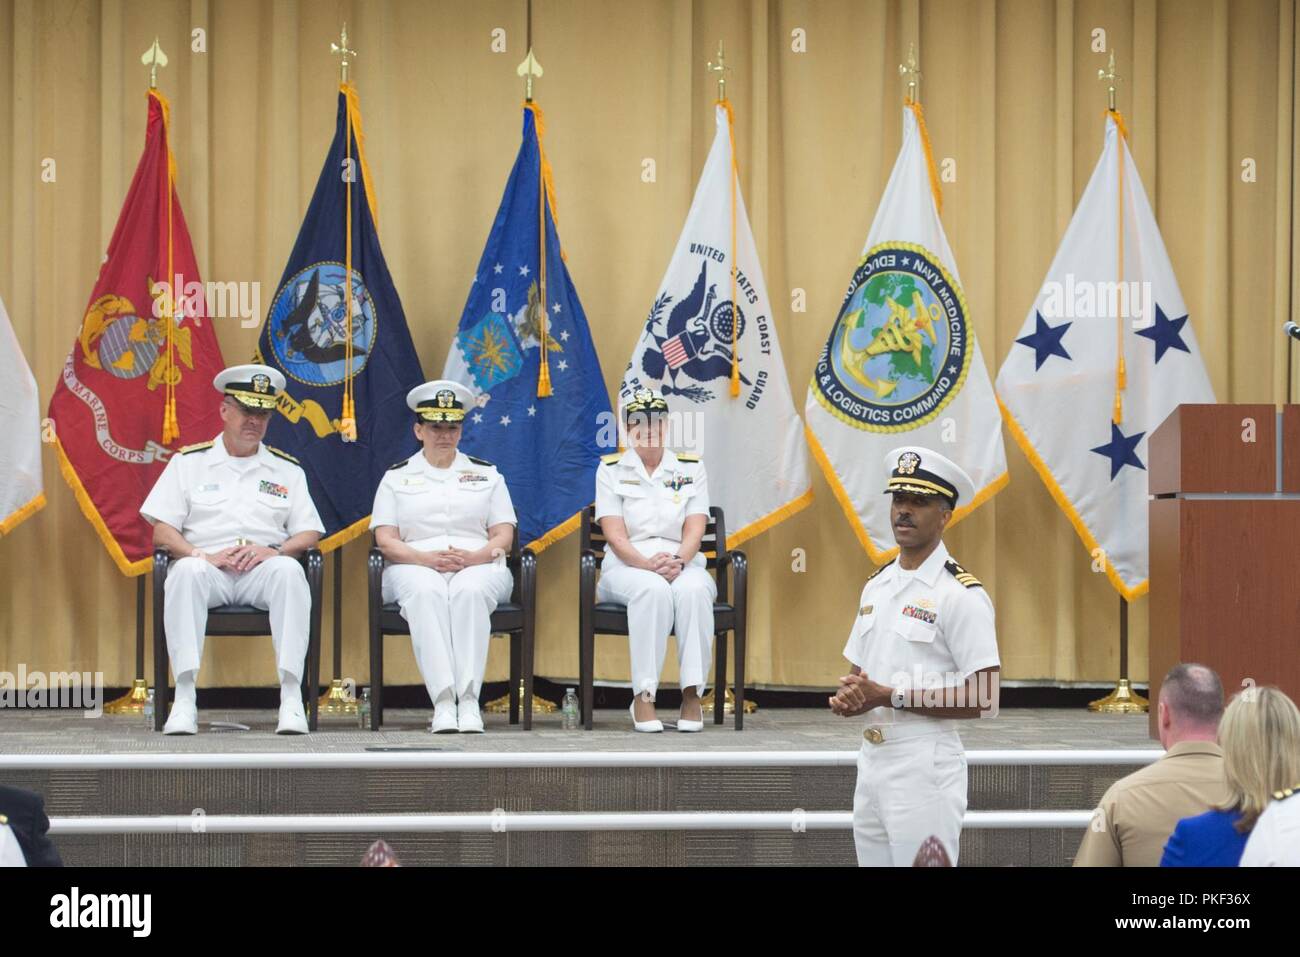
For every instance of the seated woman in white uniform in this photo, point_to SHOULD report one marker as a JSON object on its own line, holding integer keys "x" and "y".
{"x": 444, "y": 523}
{"x": 653, "y": 506}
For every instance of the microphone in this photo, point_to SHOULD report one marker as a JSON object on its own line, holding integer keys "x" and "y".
{"x": 1291, "y": 329}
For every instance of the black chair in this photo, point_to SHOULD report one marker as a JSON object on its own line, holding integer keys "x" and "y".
{"x": 514, "y": 618}
{"x": 228, "y": 620}
{"x": 610, "y": 618}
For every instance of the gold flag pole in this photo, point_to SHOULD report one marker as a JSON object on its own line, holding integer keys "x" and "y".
{"x": 708, "y": 702}
{"x": 528, "y": 69}
{"x": 339, "y": 698}
{"x": 1123, "y": 699}
{"x": 133, "y": 701}
{"x": 911, "y": 70}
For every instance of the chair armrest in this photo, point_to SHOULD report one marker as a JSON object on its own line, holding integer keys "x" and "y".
{"x": 162, "y": 560}
{"x": 375, "y": 576}
{"x": 527, "y": 576}
{"x": 587, "y": 578}
{"x": 739, "y": 565}
{"x": 313, "y": 563}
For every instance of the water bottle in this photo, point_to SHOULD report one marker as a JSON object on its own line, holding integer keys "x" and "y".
{"x": 570, "y": 710}
{"x": 148, "y": 710}
{"x": 363, "y": 710}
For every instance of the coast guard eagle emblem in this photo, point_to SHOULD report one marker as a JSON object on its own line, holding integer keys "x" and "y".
{"x": 900, "y": 348}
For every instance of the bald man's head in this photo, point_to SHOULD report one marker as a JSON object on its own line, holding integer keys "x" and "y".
{"x": 1193, "y": 695}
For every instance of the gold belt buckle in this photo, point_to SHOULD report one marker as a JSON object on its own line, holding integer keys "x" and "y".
{"x": 242, "y": 541}
{"x": 874, "y": 735}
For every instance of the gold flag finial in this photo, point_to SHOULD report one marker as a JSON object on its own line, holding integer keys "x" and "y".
{"x": 719, "y": 66}
{"x": 341, "y": 49}
{"x": 911, "y": 70}
{"x": 154, "y": 58}
{"x": 1111, "y": 78}
{"x": 529, "y": 69}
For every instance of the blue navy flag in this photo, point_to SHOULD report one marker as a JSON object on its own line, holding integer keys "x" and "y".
{"x": 523, "y": 347}
{"x": 334, "y": 356}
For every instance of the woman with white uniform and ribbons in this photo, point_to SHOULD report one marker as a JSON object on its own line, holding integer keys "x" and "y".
{"x": 444, "y": 523}
{"x": 653, "y": 506}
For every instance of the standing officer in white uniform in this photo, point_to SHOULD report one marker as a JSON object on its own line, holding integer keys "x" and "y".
{"x": 925, "y": 655}
{"x": 653, "y": 507}
{"x": 444, "y": 523}
{"x": 235, "y": 515}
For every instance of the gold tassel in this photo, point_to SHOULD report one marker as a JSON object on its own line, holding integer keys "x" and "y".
{"x": 915, "y": 107}
{"x": 735, "y": 175}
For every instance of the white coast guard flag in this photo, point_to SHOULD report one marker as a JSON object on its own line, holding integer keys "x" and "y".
{"x": 901, "y": 365}
{"x": 752, "y": 443}
{"x": 21, "y": 492}
{"x": 1059, "y": 383}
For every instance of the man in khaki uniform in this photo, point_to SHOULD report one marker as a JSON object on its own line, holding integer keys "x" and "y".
{"x": 1138, "y": 813}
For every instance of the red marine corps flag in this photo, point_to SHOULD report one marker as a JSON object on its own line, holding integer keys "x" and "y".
{"x": 138, "y": 381}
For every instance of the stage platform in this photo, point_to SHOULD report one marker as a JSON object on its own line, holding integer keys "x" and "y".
{"x": 120, "y": 794}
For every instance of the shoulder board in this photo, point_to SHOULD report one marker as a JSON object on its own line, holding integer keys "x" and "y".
{"x": 963, "y": 577}
{"x": 688, "y": 458}
{"x": 478, "y": 461}
{"x": 612, "y": 458}
{"x": 1285, "y": 793}
{"x": 879, "y": 570}
{"x": 284, "y": 455}
{"x": 397, "y": 465}
{"x": 198, "y": 447}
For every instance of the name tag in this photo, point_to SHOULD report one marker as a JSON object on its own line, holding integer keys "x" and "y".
{"x": 472, "y": 478}
{"x": 270, "y": 488}
{"x": 629, "y": 481}
{"x": 210, "y": 487}
{"x": 412, "y": 483}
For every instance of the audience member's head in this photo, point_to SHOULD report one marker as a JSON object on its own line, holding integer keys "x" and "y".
{"x": 1190, "y": 706}
{"x": 1260, "y": 737}
{"x": 379, "y": 854}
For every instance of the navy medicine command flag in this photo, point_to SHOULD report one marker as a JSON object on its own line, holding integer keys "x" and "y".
{"x": 524, "y": 348}
{"x": 347, "y": 370}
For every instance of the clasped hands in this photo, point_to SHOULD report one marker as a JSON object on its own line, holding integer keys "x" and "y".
{"x": 238, "y": 558}
{"x": 455, "y": 559}
{"x": 669, "y": 566}
{"x": 858, "y": 694}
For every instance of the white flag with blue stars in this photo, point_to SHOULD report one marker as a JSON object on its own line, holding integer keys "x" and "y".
{"x": 1081, "y": 416}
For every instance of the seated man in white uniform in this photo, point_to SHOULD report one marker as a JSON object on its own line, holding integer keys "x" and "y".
{"x": 653, "y": 507}
{"x": 444, "y": 523}
{"x": 925, "y": 655}
{"x": 235, "y": 515}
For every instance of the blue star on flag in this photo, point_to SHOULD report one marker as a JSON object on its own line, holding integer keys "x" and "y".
{"x": 1121, "y": 450}
{"x": 1045, "y": 341}
{"x": 1165, "y": 333}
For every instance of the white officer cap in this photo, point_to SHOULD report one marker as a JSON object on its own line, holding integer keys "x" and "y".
{"x": 253, "y": 386}
{"x": 442, "y": 400}
{"x": 645, "y": 401}
{"x": 922, "y": 471}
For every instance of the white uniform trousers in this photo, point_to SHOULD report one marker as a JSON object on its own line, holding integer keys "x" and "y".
{"x": 656, "y": 609}
{"x": 909, "y": 789}
{"x": 277, "y": 585}
{"x": 450, "y": 616}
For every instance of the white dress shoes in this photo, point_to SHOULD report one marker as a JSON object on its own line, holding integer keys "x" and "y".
{"x": 293, "y": 720}
{"x": 468, "y": 716}
{"x": 650, "y": 727}
{"x": 444, "y": 719}
{"x": 184, "y": 719}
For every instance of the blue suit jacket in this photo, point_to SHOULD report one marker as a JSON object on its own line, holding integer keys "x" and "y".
{"x": 1206, "y": 840}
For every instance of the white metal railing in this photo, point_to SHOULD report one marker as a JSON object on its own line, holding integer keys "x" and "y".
{"x": 450, "y": 760}
{"x": 503, "y": 822}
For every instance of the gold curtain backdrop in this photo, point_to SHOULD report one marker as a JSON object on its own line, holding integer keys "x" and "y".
{"x": 1012, "y": 99}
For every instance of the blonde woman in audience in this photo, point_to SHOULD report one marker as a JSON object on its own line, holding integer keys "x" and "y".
{"x": 1260, "y": 738}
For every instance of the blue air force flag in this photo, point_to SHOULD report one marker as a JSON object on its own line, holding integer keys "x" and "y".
{"x": 901, "y": 365}
{"x": 1083, "y": 422}
{"x": 338, "y": 337}
{"x": 524, "y": 348}
{"x": 710, "y": 316}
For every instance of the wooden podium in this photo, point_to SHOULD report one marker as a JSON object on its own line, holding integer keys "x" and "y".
{"x": 1225, "y": 539}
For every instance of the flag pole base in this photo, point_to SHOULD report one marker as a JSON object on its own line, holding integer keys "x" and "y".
{"x": 1123, "y": 700}
{"x": 337, "y": 700}
{"x": 728, "y": 703}
{"x": 132, "y": 702}
{"x": 501, "y": 705}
